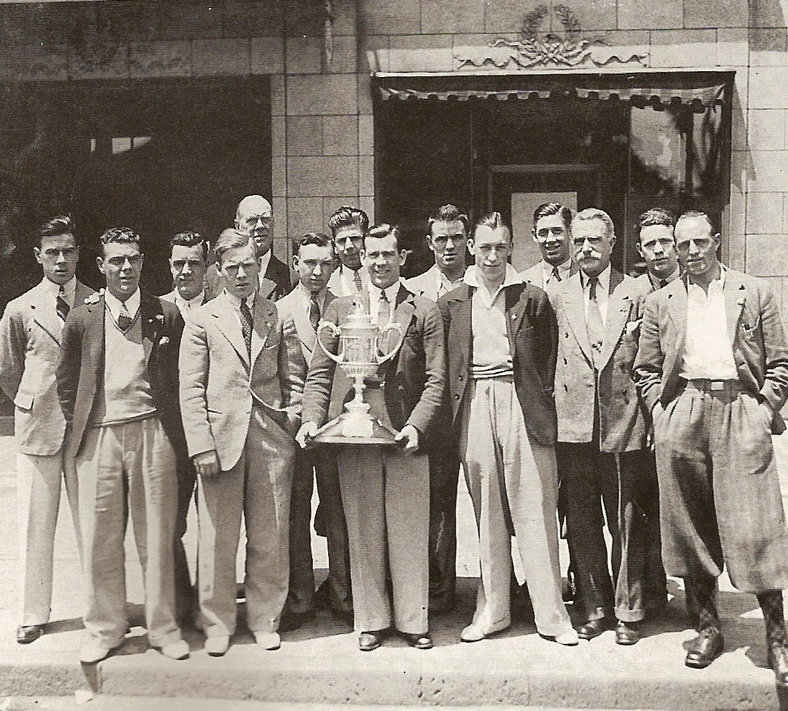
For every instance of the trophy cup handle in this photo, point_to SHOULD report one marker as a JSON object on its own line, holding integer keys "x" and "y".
{"x": 335, "y": 331}
{"x": 390, "y": 327}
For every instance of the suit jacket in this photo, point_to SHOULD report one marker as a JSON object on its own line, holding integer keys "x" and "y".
{"x": 425, "y": 284}
{"x": 295, "y": 307}
{"x": 82, "y": 364}
{"x": 535, "y": 275}
{"x": 30, "y": 334}
{"x": 755, "y": 331}
{"x": 275, "y": 283}
{"x": 531, "y": 328}
{"x": 579, "y": 388}
{"x": 220, "y": 383}
{"x": 414, "y": 378}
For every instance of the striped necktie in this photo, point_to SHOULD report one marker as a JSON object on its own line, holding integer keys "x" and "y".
{"x": 594, "y": 324}
{"x": 357, "y": 280}
{"x": 124, "y": 319}
{"x": 247, "y": 322}
{"x": 61, "y": 306}
{"x": 556, "y": 274}
{"x": 314, "y": 312}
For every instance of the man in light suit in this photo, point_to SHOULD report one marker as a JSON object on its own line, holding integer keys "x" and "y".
{"x": 447, "y": 239}
{"x": 242, "y": 377}
{"x": 601, "y": 431}
{"x": 552, "y": 233}
{"x": 385, "y": 489}
{"x": 117, "y": 381}
{"x": 30, "y": 333}
{"x": 188, "y": 259}
{"x": 349, "y": 226}
{"x": 254, "y": 217}
{"x": 713, "y": 369}
{"x": 501, "y": 342}
{"x": 313, "y": 261}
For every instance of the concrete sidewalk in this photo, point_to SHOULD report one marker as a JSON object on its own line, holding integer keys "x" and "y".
{"x": 320, "y": 664}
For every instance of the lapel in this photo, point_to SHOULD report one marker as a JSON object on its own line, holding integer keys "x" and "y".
{"x": 460, "y": 335}
{"x": 619, "y": 306}
{"x": 94, "y": 335}
{"x": 228, "y": 324}
{"x": 515, "y": 311}
{"x": 306, "y": 334}
{"x": 44, "y": 313}
{"x": 404, "y": 308}
{"x": 152, "y": 317}
{"x": 266, "y": 288}
{"x": 676, "y": 294}
{"x": 735, "y": 298}
{"x": 574, "y": 308}
{"x": 264, "y": 317}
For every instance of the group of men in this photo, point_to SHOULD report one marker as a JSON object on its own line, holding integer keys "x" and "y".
{"x": 644, "y": 398}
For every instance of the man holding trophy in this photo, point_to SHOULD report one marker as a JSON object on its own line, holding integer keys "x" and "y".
{"x": 390, "y": 342}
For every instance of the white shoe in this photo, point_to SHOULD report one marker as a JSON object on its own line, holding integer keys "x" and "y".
{"x": 568, "y": 639}
{"x": 217, "y": 646}
{"x": 268, "y": 640}
{"x": 474, "y": 633}
{"x": 93, "y": 652}
{"x": 176, "y": 650}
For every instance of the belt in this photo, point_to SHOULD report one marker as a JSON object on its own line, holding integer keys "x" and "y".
{"x": 707, "y": 385}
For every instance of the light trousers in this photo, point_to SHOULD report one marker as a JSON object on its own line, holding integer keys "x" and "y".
{"x": 128, "y": 467}
{"x": 39, "y": 482}
{"x": 257, "y": 488}
{"x": 513, "y": 483}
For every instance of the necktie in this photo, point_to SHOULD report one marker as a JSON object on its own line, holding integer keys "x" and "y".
{"x": 357, "y": 280}
{"x": 246, "y": 325}
{"x": 61, "y": 306}
{"x": 314, "y": 312}
{"x": 124, "y": 319}
{"x": 594, "y": 325}
{"x": 556, "y": 274}
{"x": 663, "y": 282}
{"x": 384, "y": 309}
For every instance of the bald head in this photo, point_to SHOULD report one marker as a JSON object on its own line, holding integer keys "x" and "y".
{"x": 255, "y": 218}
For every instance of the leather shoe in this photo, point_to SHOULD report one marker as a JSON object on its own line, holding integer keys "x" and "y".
{"x": 627, "y": 633}
{"x": 367, "y": 641}
{"x": 593, "y": 628}
{"x": 418, "y": 641}
{"x": 778, "y": 661}
{"x": 293, "y": 620}
{"x": 705, "y": 648}
{"x": 25, "y": 634}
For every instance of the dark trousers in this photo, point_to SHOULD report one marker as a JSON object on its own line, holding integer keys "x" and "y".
{"x": 444, "y": 479}
{"x": 320, "y": 464}
{"x": 618, "y": 490}
{"x": 185, "y": 596}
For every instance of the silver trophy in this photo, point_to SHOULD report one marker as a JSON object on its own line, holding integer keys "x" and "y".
{"x": 359, "y": 356}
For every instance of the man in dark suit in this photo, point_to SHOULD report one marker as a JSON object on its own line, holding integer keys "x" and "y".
{"x": 501, "y": 342}
{"x": 313, "y": 261}
{"x": 601, "y": 431}
{"x": 385, "y": 489}
{"x": 118, "y": 386}
{"x": 254, "y": 217}
{"x": 30, "y": 333}
{"x": 713, "y": 369}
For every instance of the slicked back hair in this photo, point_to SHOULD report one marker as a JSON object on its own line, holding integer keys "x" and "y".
{"x": 229, "y": 239}
{"x": 449, "y": 213}
{"x": 58, "y": 225}
{"x": 120, "y": 235}
{"x": 554, "y": 208}
{"x": 594, "y": 213}
{"x": 494, "y": 221}
{"x": 384, "y": 229}
{"x": 655, "y": 216}
{"x": 698, "y": 213}
{"x": 347, "y": 216}
{"x": 319, "y": 238}
{"x": 189, "y": 239}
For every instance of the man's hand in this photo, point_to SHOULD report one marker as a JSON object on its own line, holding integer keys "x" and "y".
{"x": 207, "y": 463}
{"x": 408, "y": 439}
{"x": 306, "y": 434}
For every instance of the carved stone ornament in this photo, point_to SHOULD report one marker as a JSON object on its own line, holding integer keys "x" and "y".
{"x": 548, "y": 50}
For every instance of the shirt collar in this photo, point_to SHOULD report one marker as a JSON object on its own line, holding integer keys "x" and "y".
{"x": 236, "y": 302}
{"x": 190, "y": 303}
{"x": 604, "y": 279}
{"x": 391, "y": 291}
{"x": 264, "y": 261}
{"x": 714, "y": 283}
{"x": 307, "y": 295}
{"x": 116, "y": 307}
{"x": 443, "y": 280}
{"x": 563, "y": 268}
{"x": 655, "y": 281}
{"x": 472, "y": 278}
{"x": 69, "y": 288}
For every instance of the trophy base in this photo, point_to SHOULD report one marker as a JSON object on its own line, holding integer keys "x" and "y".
{"x": 333, "y": 433}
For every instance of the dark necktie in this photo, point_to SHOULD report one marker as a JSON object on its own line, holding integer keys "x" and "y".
{"x": 314, "y": 312}
{"x": 124, "y": 319}
{"x": 556, "y": 274}
{"x": 247, "y": 323}
{"x": 663, "y": 282}
{"x": 594, "y": 324}
{"x": 62, "y": 306}
{"x": 357, "y": 280}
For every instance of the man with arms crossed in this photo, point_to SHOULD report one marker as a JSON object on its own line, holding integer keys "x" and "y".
{"x": 313, "y": 261}
{"x": 242, "y": 378}
{"x": 713, "y": 368}
{"x": 118, "y": 386}
{"x": 349, "y": 226}
{"x": 30, "y": 333}
{"x": 385, "y": 489}
{"x": 501, "y": 342}
{"x": 447, "y": 239}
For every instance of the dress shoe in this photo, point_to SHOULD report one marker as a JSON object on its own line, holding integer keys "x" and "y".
{"x": 474, "y": 633}
{"x": 418, "y": 641}
{"x": 25, "y": 634}
{"x": 293, "y": 620}
{"x": 705, "y": 648}
{"x": 176, "y": 650}
{"x": 268, "y": 640}
{"x": 627, "y": 633}
{"x": 778, "y": 661}
{"x": 217, "y": 646}
{"x": 367, "y": 641}
{"x": 593, "y": 628}
{"x": 93, "y": 652}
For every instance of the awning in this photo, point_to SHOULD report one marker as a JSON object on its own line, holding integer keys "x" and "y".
{"x": 699, "y": 90}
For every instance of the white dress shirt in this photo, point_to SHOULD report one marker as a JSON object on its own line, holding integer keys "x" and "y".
{"x": 374, "y": 298}
{"x": 116, "y": 307}
{"x": 707, "y": 351}
{"x": 236, "y": 304}
{"x": 602, "y": 292}
{"x": 264, "y": 261}
{"x": 547, "y": 272}
{"x": 186, "y": 306}
{"x": 445, "y": 285}
{"x": 69, "y": 291}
